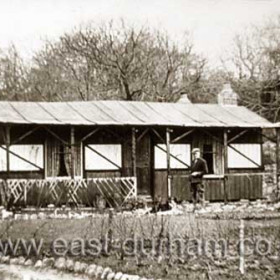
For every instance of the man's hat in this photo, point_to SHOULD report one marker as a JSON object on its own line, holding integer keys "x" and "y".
{"x": 195, "y": 150}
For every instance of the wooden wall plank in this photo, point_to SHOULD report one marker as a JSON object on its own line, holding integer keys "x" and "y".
{"x": 247, "y": 186}
{"x": 160, "y": 185}
{"x": 181, "y": 188}
{"x": 102, "y": 174}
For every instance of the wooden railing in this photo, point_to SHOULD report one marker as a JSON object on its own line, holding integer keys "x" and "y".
{"x": 229, "y": 187}
{"x": 74, "y": 192}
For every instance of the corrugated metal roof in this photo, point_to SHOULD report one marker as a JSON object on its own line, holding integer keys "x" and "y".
{"x": 129, "y": 113}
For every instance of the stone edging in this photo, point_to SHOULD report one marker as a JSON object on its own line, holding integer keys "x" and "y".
{"x": 68, "y": 265}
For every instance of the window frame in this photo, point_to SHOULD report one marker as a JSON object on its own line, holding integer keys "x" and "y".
{"x": 102, "y": 170}
{"x": 260, "y": 167}
{"x": 42, "y": 169}
{"x": 172, "y": 168}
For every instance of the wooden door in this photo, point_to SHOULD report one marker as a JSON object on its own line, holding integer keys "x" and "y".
{"x": 143, "y": 166}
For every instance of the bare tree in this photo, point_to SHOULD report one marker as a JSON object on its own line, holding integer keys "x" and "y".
{"x": 13, "y": 76}
{"x": 114, "y": 61}
{"x": 256, "y": 60}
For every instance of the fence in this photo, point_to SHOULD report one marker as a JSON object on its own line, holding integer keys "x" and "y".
{"x": 73, "y": 192}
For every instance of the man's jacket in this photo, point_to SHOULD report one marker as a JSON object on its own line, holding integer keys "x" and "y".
{"x": 199, "y": 165}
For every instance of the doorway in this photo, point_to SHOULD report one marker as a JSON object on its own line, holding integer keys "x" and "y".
{"x": 208, "y": 156}
{"x": 144, "y": 166}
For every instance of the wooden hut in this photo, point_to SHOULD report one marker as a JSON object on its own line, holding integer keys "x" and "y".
{"x": 71, "y": 152}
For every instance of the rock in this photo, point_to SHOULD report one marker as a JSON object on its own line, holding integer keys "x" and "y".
{"x": 33, "y": 217}
{"x": 228, "y": 207}
{"x": 135, "y": 277}
{"x": 51, "y": 206}
{"x": 14, "y": 261}
{"x": 105, "y": 272}
{"x": 70, "y": 265}
{"x": 80, "y": 267}
{"x": 215, "y": 207}
{"x": 118, "y": 276}
{"x": 77, "y": 267}
{"x": 25, "y": 217}
{"x": 6, "y": 214}
{"x": 84, "y": 267}
{"x": 125, "y": 277}
{"x": 21, "y": 260}
{"x": 111, "y": 276}
{"x": 17, "y": 216}
{"x": 60, "y": 263}
{"x": 48, "y": 262}
{"x": 98, "y": 271}
{"x": 38, "y": 264}
{"x": 202, "y": 211}
{"x": 6, "y": 259}
{"x": 90, "y": 271}
{"x": 42, "y": 216}
{"x": 63, "y": 216}
{"x": 28, "y": 262}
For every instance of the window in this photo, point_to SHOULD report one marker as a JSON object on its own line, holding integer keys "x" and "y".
{"x": 32, "y": 153}
{"x": 208, "y": 156}
{"x": 180, "y": 151}
{"x": 103, "y": 157}
{"x": 62, "y": 171}
{"x": 251, "y": 151}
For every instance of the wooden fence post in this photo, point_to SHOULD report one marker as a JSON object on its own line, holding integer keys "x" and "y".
{"x": 72, "y": 142}
{"x": 225, "y": 153}
{"x": 168, "y": 162}
{"x": 8, "y": 143}
{"x": 25, "y": 194}
{"x": 5, "y": 186}
{"x": 241, "y": 248}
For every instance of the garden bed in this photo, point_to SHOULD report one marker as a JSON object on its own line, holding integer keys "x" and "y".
{"x": 189, "y": 227}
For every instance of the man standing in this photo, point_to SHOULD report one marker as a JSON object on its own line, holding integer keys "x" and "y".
{"x": 198, "y": 169}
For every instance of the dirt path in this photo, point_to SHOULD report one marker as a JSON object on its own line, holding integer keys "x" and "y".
{"x": 12, "y": 272}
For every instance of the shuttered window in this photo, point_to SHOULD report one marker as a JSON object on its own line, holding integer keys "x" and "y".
{"x": 251, "y": 151}
{"x": 103, "y": 157}
{"x": 31, "y": 158}
{"x": 181, "y": 151}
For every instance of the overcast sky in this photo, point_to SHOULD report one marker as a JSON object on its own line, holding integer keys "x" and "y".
{"x": 212, "y": 22}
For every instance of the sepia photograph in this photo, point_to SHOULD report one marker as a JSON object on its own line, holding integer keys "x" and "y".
{"x": 139, "y": 140}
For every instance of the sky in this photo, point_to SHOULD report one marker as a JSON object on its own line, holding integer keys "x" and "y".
{"x": 212, "y": 23}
